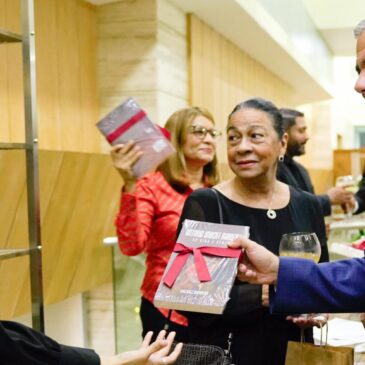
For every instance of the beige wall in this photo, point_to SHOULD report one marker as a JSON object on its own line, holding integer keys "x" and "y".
{"x": 143, "y": 53}
{"x": 66, "y": 76}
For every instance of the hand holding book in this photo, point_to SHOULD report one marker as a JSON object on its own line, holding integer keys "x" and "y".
{"x": 140, "y": 141}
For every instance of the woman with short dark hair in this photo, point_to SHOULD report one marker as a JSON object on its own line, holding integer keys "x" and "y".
{"x": 254, "y": 198}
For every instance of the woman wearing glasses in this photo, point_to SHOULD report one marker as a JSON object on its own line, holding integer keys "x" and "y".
{"x": 150, "y": 208}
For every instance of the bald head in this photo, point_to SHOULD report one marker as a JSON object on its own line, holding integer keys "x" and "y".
{"x": 359, "y": 29}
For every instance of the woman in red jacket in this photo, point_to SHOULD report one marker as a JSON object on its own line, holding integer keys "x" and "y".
{"x": 151, "y": 206}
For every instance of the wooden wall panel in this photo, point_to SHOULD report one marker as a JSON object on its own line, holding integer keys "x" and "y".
{"x": 348, "y": 162}
{"x": 79, "y": 199}
{"x": 221, "y": 75}
{"x": 67, "y": 92}
{"x": 322, "y": 179}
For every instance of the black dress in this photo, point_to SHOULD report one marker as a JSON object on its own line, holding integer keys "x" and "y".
{"x": 258, "y": 337}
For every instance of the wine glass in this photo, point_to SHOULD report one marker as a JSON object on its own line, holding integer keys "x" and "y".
{"x": 349, "y": 183}
{"x": 302, "y": 245}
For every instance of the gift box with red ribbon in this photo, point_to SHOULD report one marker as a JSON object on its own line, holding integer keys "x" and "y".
{"x": 129, "y": 122}
{"x": 201, "y": 270}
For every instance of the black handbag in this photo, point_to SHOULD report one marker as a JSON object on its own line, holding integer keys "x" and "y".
{"x": 197, "y": 354}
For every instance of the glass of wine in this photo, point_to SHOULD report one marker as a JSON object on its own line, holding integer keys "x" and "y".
{"x": 349, "y": 183}
{"x": 302, "y": 245}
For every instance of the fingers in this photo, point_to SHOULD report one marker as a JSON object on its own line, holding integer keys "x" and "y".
{"x": 244, "y": 273}
{"x": 308, "y": 320}
{"x": 161, "y": 335}
{"x": 167, "y": 343}
{"x": 170, "y": 338}
{"x": 170, "y": 359}
{"x": 123, "y": 147}
{"x": 162, "y": 344}
{"x": 241, "y": 242}
{"x": 127, "y": 153}
{"x": 147, "y": 339}
{"x": 156, "y": 346}
{"x": 159, "y": 350}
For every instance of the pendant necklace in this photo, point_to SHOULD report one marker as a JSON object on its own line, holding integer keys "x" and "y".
{"x": 271, "y": 214}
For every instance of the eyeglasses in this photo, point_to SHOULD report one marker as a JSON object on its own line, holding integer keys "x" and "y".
{"x": 201, "y": 132}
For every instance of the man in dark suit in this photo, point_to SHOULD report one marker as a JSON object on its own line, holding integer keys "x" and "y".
{"x": 293, "y": 173}
{"x": 301, "y": 285}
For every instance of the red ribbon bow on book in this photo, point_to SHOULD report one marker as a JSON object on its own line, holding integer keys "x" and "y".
{"x": 183, "y": 253}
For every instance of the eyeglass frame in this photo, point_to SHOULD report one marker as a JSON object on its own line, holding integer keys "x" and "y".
{"x": 196, "y": 129}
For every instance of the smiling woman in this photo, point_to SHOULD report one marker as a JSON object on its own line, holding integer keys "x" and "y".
{"x": 254, "y": 198}
{"x": 150, "y": 207}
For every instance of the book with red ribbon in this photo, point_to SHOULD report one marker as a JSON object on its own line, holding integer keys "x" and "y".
{"x": 201, "y": 270}
{"x": 129, "y": 122}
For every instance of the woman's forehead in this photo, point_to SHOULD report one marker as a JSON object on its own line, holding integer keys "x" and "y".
{"x": 201, "y": 120}
{"x": 249, "y": 117}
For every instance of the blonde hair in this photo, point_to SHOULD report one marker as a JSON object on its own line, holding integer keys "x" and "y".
{"x": 174, "y": 167}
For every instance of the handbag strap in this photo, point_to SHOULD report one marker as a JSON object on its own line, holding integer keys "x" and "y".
{"x": 168, "y": 319}
{"x": 219, "y": 205}
{"x": 321, "y": 326}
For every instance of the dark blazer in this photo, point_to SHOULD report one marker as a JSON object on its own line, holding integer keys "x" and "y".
{"x": 305, "y": 287}
{"x": 293, "y": 173}
{"x": 24, "y": 346}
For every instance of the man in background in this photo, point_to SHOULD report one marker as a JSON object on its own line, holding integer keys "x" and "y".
{"x": 293, "y": 173}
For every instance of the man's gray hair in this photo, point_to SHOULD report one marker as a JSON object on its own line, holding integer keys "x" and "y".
{"x": 359, "y": 29}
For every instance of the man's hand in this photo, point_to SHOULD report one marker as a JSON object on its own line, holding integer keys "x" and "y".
{"x": 309, "y": 320}
{"x": 258, "y": 265}
{"x": 156, "y": 353}
{"x": 338, "y": 195}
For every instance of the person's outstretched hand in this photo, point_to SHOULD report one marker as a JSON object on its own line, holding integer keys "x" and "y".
{"x": 155, "y": 353}
{"x": 257, "y": 265}
{"x": 309, "y": 320}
